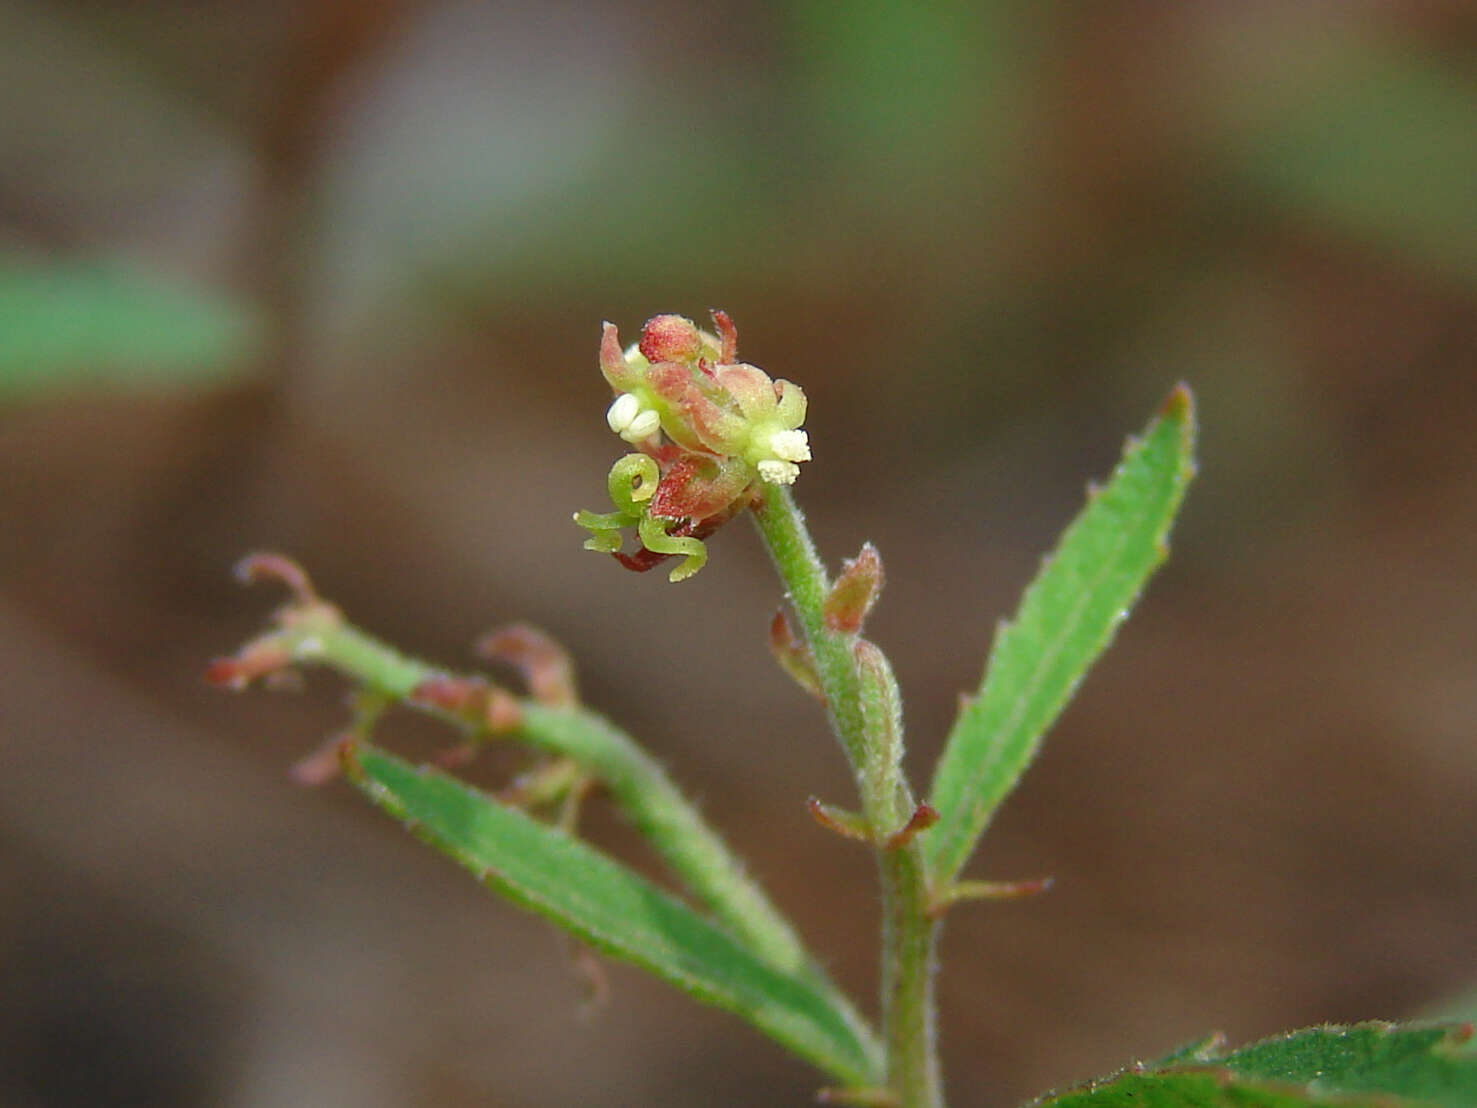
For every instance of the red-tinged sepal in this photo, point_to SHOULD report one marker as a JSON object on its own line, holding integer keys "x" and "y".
{"x": 619, "y": 372}
{"x": 322, "y": 765}
{"x": 727, "y": 337}
{"x": 849, "y": 825}
{"x": 750, "y": 388}
{"x": 472, "y": 701}
{"x": 670, "y": 338}
{"x": 642, "y": 561}
{"x": 265, "y": 657}
{"x": 793, "y": 656}
{"x": 267, "y": 566}
{"x": 923, "y": 817}
{"x": 544, "y": 665}
{"x": 958, "y": 891}
{"x": 693, "y": 415}
{"x": 269, "y": 657}
{"x": 698, "y": 487}
{"x": 851, "y": 598}
{"x": 854, "y": 826}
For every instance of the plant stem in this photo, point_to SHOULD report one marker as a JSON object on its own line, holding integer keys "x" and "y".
{"x": 861, "y": 701}
{"x": 319, "y": 635}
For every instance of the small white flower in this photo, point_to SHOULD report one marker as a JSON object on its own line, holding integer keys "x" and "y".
{"x": 631, "y": 421}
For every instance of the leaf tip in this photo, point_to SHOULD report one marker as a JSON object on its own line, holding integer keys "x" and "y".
{"x": 1179, "y": 405}
{"x": 1179, "y": 409}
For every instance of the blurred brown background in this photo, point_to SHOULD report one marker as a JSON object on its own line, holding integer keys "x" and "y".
{"x": 328, "y": 278}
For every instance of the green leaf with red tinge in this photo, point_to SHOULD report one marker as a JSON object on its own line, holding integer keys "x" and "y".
{"x": 1066, "y": 619}
{"x": 615, "y": 911}
{"x": 1375, "y": 1065}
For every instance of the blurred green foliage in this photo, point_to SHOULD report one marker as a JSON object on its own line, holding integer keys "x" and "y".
{"x": 82, "y": 321}
{"x": 1368, "y": 139}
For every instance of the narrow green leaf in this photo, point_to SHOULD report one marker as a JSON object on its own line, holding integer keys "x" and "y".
{"x": 614, "y": 910}
{"x": 1374, "y": 1065}
{"x": 1067, "y": 617}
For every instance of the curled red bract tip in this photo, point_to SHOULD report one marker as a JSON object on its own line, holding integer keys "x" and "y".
{"x": 267, "y": 566}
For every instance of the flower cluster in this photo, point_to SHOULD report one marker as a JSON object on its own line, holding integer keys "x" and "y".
{"x": 709, "y": 432}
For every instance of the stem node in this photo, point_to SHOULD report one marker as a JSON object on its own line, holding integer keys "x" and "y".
{"x": 922, "y": 819}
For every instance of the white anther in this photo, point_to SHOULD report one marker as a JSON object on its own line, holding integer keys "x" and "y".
{"x": 790, "y": 446}
{"x": 631, "y": 421}
{"x": 646, "y": 424}
{"x": 622, "y": 411}
{"x": 777, "y": 472}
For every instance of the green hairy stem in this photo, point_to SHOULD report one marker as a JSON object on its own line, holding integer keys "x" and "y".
{"x": 861, "y": 701}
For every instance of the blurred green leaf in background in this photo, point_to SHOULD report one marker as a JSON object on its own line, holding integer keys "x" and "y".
{"x": 1367, "y": 138}
{"x": 81, "y": 321}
